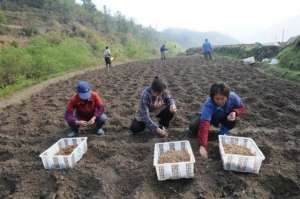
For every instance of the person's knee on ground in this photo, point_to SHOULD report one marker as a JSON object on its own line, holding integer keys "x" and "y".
{"x": 224, "y": 130}
{"x": 74, "y": 130}
{"x": 100, "y": 121}
{"x": 194, "y": 125}
{"x": 165, "y": 117}
{"x": 137, "y": 126}
{"x": 226, "y": 127}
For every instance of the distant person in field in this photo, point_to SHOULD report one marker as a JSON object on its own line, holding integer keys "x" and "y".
{"x": 221, "y": 109}
{"x": 207, "y": 50}
{"x": 155, "y": 100}
{"x": 85, "y": 108}
{"x": 163, "y": 51}
{"x": 107, "y": 57}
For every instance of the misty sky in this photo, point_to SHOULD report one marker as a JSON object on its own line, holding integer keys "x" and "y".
{"x": 242, "y": 19}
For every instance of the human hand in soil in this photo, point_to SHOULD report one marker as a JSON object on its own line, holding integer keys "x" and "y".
{"x": 92, "y": 121}
{"x": 203, "y": 152}
{"x": 231, "y": 117}
{"x": 161, "y": 132}
{"x": 81, "y": 123}
{"x": 173, "y": 108}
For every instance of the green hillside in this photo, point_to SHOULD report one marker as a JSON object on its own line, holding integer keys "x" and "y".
{"x": 39, "y": 38}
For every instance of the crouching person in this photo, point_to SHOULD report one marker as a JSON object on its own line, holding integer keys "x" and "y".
{"x": 85, "y": 108}
{"x": 221, "y": 109}
{"x": 156, "y": 100}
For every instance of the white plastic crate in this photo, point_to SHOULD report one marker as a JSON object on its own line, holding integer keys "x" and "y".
{"x": 173, "y": 170}
{"x": 53, "y": 161}
{"x": 241, "y": 163}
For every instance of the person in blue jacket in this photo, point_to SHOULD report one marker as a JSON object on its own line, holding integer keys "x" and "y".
{"x": 163, "y": 51}
{"x": 221, "y": 109}
{"x": 207, "y": 50}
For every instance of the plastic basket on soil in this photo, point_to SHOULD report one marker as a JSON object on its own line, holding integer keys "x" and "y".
{"x": 241, "y": 163}
{"x": 176, "y": 170}
{"x": 51, "y": 159}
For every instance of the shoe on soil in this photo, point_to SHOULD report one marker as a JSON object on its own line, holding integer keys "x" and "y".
{"x": 162, "y": 127}
{"x": 72, "y": 134}
{"x": 100, "y": 132}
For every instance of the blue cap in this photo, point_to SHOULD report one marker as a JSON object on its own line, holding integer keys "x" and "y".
{"x": 84, "y": 90}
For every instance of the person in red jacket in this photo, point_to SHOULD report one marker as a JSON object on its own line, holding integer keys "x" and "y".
{"x": 85, "y": 108}
{"x": 221, "y": 109}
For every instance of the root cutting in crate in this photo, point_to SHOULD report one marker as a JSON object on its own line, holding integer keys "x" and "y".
{"x": 67, "y": 150}
{"x": 237, "y": 149}
{"x": 173, "y": 156}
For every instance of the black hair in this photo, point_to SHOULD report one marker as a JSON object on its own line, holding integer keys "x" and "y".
{"x": 219, "y": 88}
{"x": 158, "y": 85}
{"x": 106, "y": 47}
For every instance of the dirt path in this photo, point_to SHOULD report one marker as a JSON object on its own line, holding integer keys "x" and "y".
{"x": 120, "y": 165}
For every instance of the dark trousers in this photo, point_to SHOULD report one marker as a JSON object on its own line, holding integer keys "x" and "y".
{"x": 107, "y": 61}
{"x": 100, "y": 121}
{"x": 163, "y": 56}
{"x": 208, "y": 56}
{"x": 216, "y": 120}
{"x": 165, "y": 116}
{"x": 219, "y": 118}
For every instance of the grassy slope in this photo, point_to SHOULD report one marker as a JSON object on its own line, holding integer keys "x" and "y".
{"x": 46, "y": 55}
{"x": 289, "y": 66}
{"x": 282, "y": 72}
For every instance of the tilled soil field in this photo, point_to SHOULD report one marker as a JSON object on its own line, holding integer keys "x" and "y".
{"x": 120, "y": 165}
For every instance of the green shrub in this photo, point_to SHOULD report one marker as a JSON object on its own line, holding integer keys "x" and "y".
{"x": 289, "y": 57}
{"x": 42, "y": 58}
{"x": 2, "y": 17}
{"x": 28, "y": 31}
{"x": 55, "y": 37}
{"x": 14, "y": 44}
{"x": 173, "y": 48}
{"x": 14, "y": 62}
